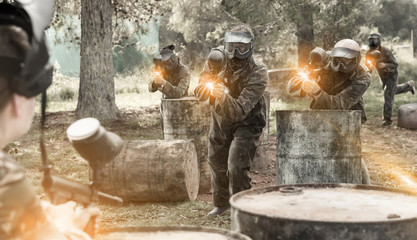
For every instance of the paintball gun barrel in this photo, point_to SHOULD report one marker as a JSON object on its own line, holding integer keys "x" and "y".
{"x": 61, "y": 190}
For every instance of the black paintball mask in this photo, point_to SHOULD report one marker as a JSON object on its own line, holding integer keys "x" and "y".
{"x": 30, "y": 74}
{"x": 238, "y": 48}
{"x": 374, "y": 43}
{"x": 166, "y": 58}
{"x": 374, "y": 40}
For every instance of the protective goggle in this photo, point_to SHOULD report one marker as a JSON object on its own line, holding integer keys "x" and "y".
{"x": 343, "y": 64}
{"x": 242, "y": 48}
{"x": 343, "y": 61}
{"x": 374, "y": 41}
{"x": 238, "y": 44}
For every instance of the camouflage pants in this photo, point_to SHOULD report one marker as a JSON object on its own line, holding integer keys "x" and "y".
{"x": 390, "y": 90}
{"x": 229, "y": 160}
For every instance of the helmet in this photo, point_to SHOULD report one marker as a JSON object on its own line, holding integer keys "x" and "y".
{"x": 345, "y": 56}
{"x": 374, "y": 40}
{"x": 30, "y": 73}
{"x": 216, "y": 60}
{"x": 238, "y": 46}
{"x": 166, "y": 58}
{"x": 318, "y": 57}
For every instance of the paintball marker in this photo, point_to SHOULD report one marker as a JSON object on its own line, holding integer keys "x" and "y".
{"x": 371, "y": 59}
{"x": 318, "y": 59}
{"x": 61, "y": 190}
{"x": 209, "y": 78}
{"x": 98, "y": 147}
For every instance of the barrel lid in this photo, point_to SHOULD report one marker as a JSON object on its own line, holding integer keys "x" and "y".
{"x": 328, "y": 203}
{"x": 83, "y": 129}
{"x": 408, "y": 106}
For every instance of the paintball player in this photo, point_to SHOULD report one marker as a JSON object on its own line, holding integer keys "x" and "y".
{"x": 170, "y": 76}
{"x": 384, "y": 61}
{"x": 338, "y": 83}
{"x": 24, "y": 73}
{"x": 233, "y": 81}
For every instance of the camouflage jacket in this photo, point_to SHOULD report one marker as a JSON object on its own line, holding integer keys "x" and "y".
{"x": 338, "y": 92}
{"x": 244, "y": 105}
{"x": 391, "y": 63}
{"x": 177, "y": 82}
{"x": 20, "y": 209}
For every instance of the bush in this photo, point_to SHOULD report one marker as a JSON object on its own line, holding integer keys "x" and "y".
{"x": 407, "y": 70}
{"x": 66, "y": 94}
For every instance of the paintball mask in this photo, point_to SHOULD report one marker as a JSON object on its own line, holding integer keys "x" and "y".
{"x": 374, "y": 40}
{"x": 238, "y": 45}
{"x": 166, "y": 58}
{"x": 238, "y": 48}
{"x": 345, "y": 56}
{"x": 30, "y": 74}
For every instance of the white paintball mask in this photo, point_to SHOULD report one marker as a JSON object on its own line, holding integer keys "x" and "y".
{"x": 238, "y": 45}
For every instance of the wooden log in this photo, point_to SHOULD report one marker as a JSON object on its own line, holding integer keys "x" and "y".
{"x": 187, "y": 118}
{"x": 407, "y": 116}
{"x": 170, "y": 232}
{"x": 153, "y": 171}
{"x": 320, "y": 146}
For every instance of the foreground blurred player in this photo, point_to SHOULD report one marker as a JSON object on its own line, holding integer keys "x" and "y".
{"x": 25, "y": 72}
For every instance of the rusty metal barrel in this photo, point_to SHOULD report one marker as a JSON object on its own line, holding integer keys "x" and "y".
{"x": 261, "y": 159}
{"x": 171, "y": 233}
{"x": 318, "y": 146}
{"x": 407, "y": 116}
{"x": 325, "y": 212}
{"x": 187, "y": 118}
{"x": 153, "y": 171}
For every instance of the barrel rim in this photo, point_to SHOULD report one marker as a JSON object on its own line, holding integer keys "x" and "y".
{"x": 223, "y": 231}
{"x": 194, "y": 98}
{"x": 408, "y": 104}
{"x": 235, "y": 197}
{"x": 317, "y": 110}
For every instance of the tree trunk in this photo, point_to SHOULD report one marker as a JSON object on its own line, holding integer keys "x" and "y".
{"x": 414, "y": 42}
{"x": 96, "y": 94}
{"x": 305, "y": 33}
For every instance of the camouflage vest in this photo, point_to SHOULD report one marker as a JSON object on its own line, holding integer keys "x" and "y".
{"x": 19, "y": 208}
